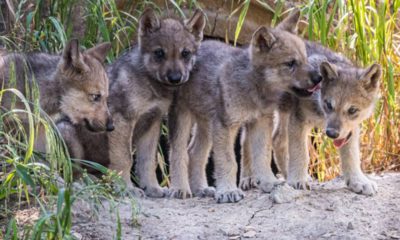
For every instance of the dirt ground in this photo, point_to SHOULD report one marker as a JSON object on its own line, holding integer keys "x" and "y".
{"x": 328, "y": 211}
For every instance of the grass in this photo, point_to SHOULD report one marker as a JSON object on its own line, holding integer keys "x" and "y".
{"x": 365, "y": 31}
{"x": 30, "y": 179}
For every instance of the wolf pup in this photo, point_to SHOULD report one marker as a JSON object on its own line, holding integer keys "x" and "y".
{"x": 254, "y": 173}
{"x": 346, "y": 98}
{"x": 228, "y": 87}
{"x": 141, "y": 87}
{"x": 74, "y": 85}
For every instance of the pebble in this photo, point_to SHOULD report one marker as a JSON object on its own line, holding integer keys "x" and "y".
{"x": 350, "y": 226}
{"x": 283, "y": 193}
{"x": 250, "y": 234}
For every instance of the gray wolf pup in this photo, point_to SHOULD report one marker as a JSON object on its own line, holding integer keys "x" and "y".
{"x": 346, "y": 98}
{"x": 74, "y": 85}
{"x": 229, "y": 87}
{"x": 142, "y": 83}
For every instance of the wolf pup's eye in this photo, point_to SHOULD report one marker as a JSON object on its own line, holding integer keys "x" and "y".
{"x": 186, "y": 54}
{"x": 95, "y": 97}
{"x": 352, "y": 110}
{"x": 159, "y": 53}
{"x": 291, "y": 64}
{"x": 328, "y": 105}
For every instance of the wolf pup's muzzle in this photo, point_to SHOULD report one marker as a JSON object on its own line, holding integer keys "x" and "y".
{"x": 314, "y": 84}
{"x": 316, "y": 79}
{"x": 174, "y": 77}
{"x": 110, "y": 125}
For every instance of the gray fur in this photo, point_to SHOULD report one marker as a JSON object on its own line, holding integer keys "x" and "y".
{"x": 141, "y": 93}
{"x": 228, "y": 88}
{"x": 295, "y": 122}
{"x": 62, "y": 82}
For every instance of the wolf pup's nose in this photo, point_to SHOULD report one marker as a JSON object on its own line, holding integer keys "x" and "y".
{"x": 110, "y": 125}
{"x": 174, "y": 77}
{"x": 316, "y": 78}
{"x": 332, "y": 133}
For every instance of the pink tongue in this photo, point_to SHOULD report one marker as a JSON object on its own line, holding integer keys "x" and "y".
{"x": 339, "y": 142}
{"x": 315, "y": 88}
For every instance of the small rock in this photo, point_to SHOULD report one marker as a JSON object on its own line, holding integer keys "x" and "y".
{"x": 392, "y": 235}
{"x": 76, "y": 235}
{"x": 249, "y": 228}
{"x": 350, "y": 226}
{"x": 234, "y": 237}
{"x": 250, "y": 234}
{"x": 283, "y": 193}
{"x": 327, "y": 235}
{"x": 231, "y": 232}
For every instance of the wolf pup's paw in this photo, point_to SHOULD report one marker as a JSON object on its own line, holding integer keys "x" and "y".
{"x": 179, "y": 193}
{"x": 300, "y": 184}
{"x": 246, "y": 183}
{"x": 204, "y": 192}
{"x": 137, "y": 192}
{"x": 362, "y": 185}
{"x": 267, "y": 185}
{"x": 156, "y": 191}
{"x": 230, "y": 196}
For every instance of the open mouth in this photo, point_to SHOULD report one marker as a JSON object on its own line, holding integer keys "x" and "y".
{"x": 340, "y": 142}
{"x": 315, "y": 88}
{"x": 301, "y": 92}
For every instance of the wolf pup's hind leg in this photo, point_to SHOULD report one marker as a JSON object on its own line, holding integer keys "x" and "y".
{"x": 280, "y": 143}
{"x": 245, "y": 161}
{"x": 298, "y": 154}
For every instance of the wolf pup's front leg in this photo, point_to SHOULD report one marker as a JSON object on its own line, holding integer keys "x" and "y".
{"x": 179, "y": 124}
{"x": 355, "y": 178}
{"x": 120, "y": 144}
{"x": 199, "y": 150}
{"x": 146, "y": 161}
{"x": 259, "y": 140}
{"x": 225, "y": 164}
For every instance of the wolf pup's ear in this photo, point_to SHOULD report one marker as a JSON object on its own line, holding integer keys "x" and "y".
{"x": 263, "y": 39}
{"x": 196, "y": 24}
{"x": 99, "y": 51}
{"x": 290, "y": 22}
{"x": 148, "y": 22}
{"x": 72, "y": 57}
{"x": 371, "y": 76}
{"x": 328, "y": 71}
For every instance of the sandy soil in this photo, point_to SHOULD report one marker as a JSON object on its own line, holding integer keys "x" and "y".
{"x": 328, "y": 211}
